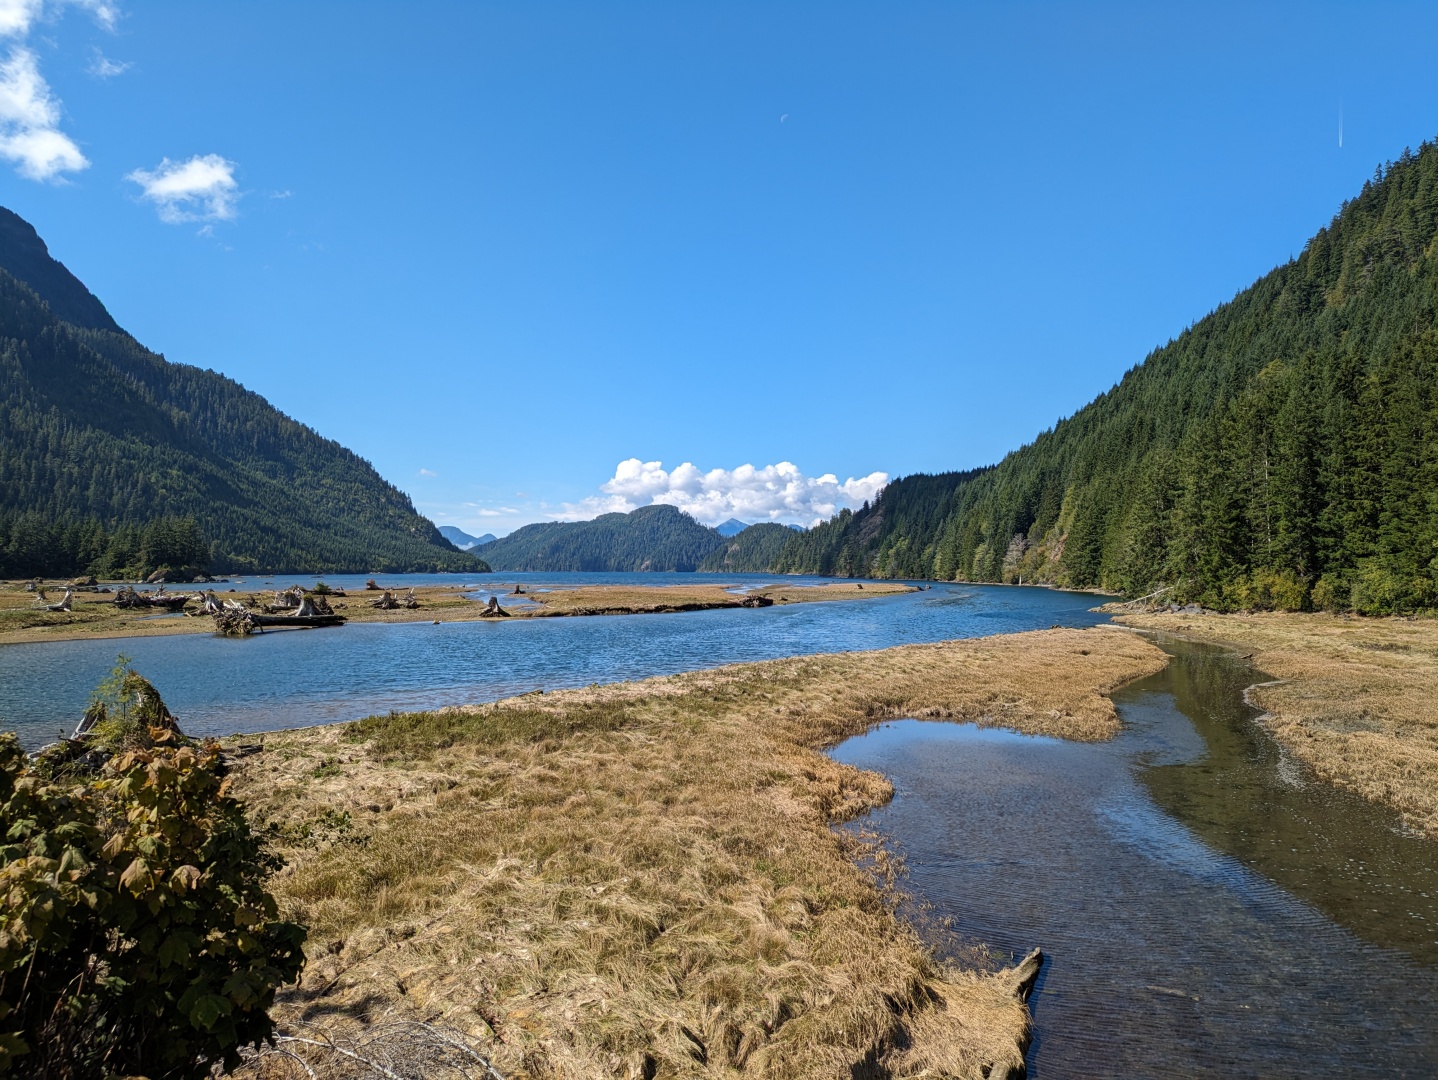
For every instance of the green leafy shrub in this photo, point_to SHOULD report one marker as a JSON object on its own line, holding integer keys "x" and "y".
{"x": 1269, "y": 590}
{"x": 136, "y": 933}
{"x": 1384, "y": 587}
{"x": 1331, "y": 593}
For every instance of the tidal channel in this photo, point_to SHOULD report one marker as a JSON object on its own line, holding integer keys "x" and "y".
{"x": 1207, "y": 908}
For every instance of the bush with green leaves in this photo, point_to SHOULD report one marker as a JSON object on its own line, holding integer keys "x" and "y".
{"x": 136, "y": 933}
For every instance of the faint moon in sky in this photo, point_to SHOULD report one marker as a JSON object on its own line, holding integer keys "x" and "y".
{"x": 783, "y": 118}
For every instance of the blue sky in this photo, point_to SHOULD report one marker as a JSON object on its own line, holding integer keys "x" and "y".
{"x": 500, "y": 249}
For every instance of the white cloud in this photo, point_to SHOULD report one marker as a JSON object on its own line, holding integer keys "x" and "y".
{"x": 773, "y": 493}
{"x": 30, "y": 135}
{"x": 102, "y": 67}
{"x": 18, "y": 16}
{"x": 200, "y": 189}
{"x": 426, "y": 472}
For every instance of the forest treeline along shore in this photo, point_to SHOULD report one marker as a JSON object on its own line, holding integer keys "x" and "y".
{"x": 1280, "y": 453}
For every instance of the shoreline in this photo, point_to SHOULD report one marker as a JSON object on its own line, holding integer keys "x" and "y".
{"x": 1355, "y": 699}
{"x": 640, "y": 873}
{"x": 94, "y": 617}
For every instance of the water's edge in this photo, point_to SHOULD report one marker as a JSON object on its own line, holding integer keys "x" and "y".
{"x": 1200, "y": 912}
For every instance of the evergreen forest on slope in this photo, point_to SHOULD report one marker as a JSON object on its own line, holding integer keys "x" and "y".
{"x": 749, "y": 551}
{"x": 115, "y": 462}
{"x": 658, "y": 538}
{"x": 1280, "y": 453}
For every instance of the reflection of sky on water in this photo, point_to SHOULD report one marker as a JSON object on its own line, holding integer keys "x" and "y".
{"x": 1201, "y": 915}
{"x": 295, "y": 678}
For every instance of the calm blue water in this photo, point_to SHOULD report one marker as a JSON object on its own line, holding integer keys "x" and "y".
{"x": 1206, "y": 908}
{"x": 295, "y": 678}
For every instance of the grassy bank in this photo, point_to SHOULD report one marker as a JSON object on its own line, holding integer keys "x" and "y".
{"x": 639, "y": 600}
{"x": 643, "y": 879}
{"x": 1358, "y": 702}
{"x": 94, "y": 615}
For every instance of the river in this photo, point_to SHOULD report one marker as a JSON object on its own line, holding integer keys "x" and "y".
{"x": 1207, "y": 908}
{"x": 295, "y": 678}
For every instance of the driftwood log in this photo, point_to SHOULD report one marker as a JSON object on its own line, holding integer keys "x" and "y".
{"x": 210, "y": 604}
{"x": 494, "y": 611}
{"x": 129, "y": 598}
{"x": 390, "y": 602}
{"x": 235, "y": 620}
{"x": 289, "y": 600}
{"x": 63, "y": 605}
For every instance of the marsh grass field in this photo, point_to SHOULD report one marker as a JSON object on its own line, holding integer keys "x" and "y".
{"x": 644, "y": 879}
{"x": 94, "y": 615}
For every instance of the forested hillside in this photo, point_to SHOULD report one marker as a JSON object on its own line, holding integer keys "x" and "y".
{"x": 1282, "y": 452}
{"x": 750, "y": 551}
{"x": 650, "y": 538}
{"x": 113, "y": 460}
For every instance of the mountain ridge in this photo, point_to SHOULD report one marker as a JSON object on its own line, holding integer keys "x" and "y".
{"x": 653, "y": 538}
{"x": 102, "y": 441}
{"x": 1281, "y": 452}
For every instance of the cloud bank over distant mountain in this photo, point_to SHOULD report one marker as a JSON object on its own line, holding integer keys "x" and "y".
{"x": 771, "y": 493}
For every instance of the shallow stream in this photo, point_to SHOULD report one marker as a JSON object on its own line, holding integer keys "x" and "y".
{"x": 1207, "y": 908}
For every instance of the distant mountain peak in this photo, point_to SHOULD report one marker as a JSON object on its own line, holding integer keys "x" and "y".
{"x": 732, "y": 527}
{"x": 461, "y": 539}
{"x": 24, "y": 256}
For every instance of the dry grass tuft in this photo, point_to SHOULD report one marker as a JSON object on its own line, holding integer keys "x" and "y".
{"x": 643, "y": 879}
{"x": 1359, "y": 703}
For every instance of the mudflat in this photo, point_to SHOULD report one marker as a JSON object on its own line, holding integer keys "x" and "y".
{"x": 95, "y": 615}
{"x": 1357, "y": 699}
{"x": 644, "y": 878}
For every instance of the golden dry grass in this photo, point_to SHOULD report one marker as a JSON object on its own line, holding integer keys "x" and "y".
{"x": 1359, "y": 703}
{"x": 645, "y": 599}
{"x": 95, "y": 616}
{"x": 92, "y": 616}
{"x": 643, "y": 879}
